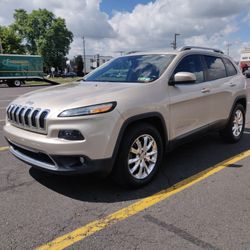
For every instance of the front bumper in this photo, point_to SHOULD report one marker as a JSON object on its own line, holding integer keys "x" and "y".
{"x": 61, "y": 164}
{"x": 100, "y": 133}
{"x": 50, "y": 153}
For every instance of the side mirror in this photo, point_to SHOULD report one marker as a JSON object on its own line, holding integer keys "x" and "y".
{"x": 183, "y": 77}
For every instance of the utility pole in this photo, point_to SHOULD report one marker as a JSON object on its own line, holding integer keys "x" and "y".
{"x": 228, "y": 45}
{"x": 174, "y": 43}
{"x": 84, "y": 55}
{"x": 97, "y": 60}
{"x": 121, "y": 52}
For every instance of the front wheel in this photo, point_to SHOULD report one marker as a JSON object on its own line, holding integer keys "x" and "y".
{"x": 234, "y": 129}
{"x": 139, "y": 156}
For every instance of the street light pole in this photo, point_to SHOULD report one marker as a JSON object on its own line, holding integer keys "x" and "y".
{"x": 228, "y": 45}
{"x": 174, "y": 43}
{"x": 84, "y": 55}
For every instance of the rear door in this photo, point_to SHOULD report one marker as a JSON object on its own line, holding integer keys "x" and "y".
{"x": 223, "y": 79}
{"x": 190, "y": 103}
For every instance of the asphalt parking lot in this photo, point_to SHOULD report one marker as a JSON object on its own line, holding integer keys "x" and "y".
{"x": 204, "y": 201}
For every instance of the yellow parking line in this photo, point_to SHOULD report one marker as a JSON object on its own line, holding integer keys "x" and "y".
{"x": 4, "y": 148}
{"x": 95, "y": 226}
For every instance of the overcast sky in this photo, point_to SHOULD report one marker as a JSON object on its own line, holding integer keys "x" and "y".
{"x": 114, "y": 25}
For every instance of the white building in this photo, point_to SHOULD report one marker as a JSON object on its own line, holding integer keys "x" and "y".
{"x": 93, "y": 61}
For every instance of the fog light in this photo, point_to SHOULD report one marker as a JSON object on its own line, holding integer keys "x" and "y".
{"x": 82, "y": 160}
{"x": 70, "y": 134}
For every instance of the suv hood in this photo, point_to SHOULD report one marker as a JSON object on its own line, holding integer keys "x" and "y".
{"x": 74, "y": 95}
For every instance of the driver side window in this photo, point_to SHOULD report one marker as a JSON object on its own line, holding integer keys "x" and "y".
{"x": 192, "y": 64}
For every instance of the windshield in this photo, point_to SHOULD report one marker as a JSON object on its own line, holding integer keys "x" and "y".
{"x": 137, "y": 68}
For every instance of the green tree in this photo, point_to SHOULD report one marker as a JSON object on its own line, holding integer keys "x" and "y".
{"x": 11, "y": 41}
{"x": 44, "y": 34}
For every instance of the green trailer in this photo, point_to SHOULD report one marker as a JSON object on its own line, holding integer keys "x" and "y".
{"x": 15, "y": 69}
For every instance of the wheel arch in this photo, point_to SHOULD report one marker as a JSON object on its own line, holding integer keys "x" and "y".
{"x": 153, "y": 118}
{"x": 242, "y": 99}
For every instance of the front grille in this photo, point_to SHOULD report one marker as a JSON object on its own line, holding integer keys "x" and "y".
{"x": 29, "y": 118}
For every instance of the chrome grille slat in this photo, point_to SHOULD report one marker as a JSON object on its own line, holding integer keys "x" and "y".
{"x": 42, "y": 119}
{"x": 22, "y": 115}
{"x": 37, "y": 119}
{"x": 28, "y": 118}
{"x": 15, "y": 113}
{"x": 33, "y": 117}
{"x": 12, "y": 112}
{"x": 18, "y": 115}
{"x": 8, "y": 111}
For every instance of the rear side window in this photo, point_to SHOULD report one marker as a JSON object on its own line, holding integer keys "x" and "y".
{"x": 215, "y": 68}
{"x": 231, "y": 71}
{"x": 192, "y": 64}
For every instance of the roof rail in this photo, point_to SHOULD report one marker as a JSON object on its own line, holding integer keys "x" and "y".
{"x": 204, "y": 48}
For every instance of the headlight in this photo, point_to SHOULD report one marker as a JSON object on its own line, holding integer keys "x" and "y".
{"x": 89, "y": 110}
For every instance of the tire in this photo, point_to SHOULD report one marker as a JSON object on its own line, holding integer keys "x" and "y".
{"x": 234, "y": 129}
{"x": 14, "y": 83}
{"x": 17, "y": 83}
{"x": 141, "y": 171}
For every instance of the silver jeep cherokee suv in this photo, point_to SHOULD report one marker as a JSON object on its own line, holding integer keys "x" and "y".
{"x": 124, "y": 115}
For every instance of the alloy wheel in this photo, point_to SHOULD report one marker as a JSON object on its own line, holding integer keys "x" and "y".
{"x": 237, "y": 123}
{"x": 142, "y": 156}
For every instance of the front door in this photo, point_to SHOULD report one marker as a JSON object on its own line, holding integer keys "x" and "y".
{"x": 190, "y": 103}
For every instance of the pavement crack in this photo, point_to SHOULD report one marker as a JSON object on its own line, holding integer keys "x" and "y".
{"x": 181, "y": 233}
{"x": 8, "y": 188}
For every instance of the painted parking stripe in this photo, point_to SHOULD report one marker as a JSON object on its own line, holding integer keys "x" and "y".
{"x": 4, "y": 148}
{"x": 80, "y": 233}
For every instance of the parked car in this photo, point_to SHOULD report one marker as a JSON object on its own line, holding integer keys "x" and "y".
{"x": 69, "y": 74}
{"x": 247, "y": 73}
{"x": 122, "y": 123}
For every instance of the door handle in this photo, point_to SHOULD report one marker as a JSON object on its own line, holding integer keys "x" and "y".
{"x": 231, "y": 84}
{"x": 205, "y": 90}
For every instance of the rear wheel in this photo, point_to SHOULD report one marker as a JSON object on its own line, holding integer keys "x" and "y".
{"x": 15, "y": 83}
{"x": 139, "y": 156}
{"x": 234, "y": 130}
